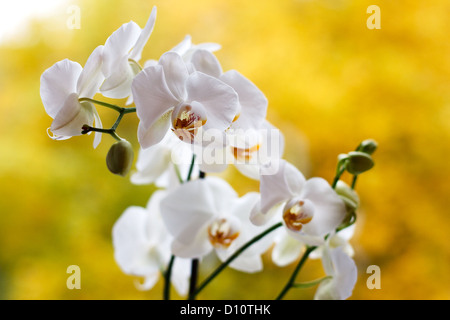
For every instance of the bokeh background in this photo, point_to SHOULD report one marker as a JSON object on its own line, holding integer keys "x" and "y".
{"x": 331, "y": 82}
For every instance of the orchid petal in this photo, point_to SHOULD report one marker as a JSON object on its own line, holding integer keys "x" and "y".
{"x": 98, "y": 124}
{"x": 175, "y": 73}
{"x": 149, "y": 281}
{"x": 151, "y": 163}
{"x": 182, "y": 47}
{"x": 219, "y": 99}
{"x": 72, "y": 116}
{"x": 279, "y": 182}
{"x": 117, "y": 85}
{"x": 253, "y": 102}
{"x": 57, "y": 83}
{"x": 286, "y": 250}
{"x": 151, "y": 95}
{"x": 187, "y": 209}
{"x": 91, "y": 77}
{"x": 131, "y": 245}
{"x": 118, "y": 45}
{"x": 136, "y": 52}
{"x": 198, "y": 247}
{"x": 156, "y": 131}
{"x": 329, "y": 209}
{"x": 206, "y": 62}
{"x": 343, "y": 271}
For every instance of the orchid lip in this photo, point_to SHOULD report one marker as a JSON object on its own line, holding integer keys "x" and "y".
{"x": 221, "y": 234}
{"x": 187, "y": 121}
{"x": 297, "y": 213}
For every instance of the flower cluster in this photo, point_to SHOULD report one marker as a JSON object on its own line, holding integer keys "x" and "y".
{"x": 195, "y": 119}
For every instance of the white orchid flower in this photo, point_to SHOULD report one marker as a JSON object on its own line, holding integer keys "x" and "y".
{"x": 62, "y": 87}
{"x": 343, "y": 272}
{"x": 246, "y": 150}
{"x": 252, "y": 101}
{"x": 205, "y": 215}
{"x": 123, "y": 50}
{"x": 312, "y": 209}
{"x": 168, "y": 96}
{"x": 186, "y": 48}
{"x": 142, "y": 246}
{"x": 163, "y": 162}
{"x": 287, "y": 249}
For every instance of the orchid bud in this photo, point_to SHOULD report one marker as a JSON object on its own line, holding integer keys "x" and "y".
{"x": 359, "y": 162}
{"x": 368, "y": 146}
{"x": 348, "y": 195}
{"x": 120, "y": 158}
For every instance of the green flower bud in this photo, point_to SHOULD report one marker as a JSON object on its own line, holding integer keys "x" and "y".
{"x": 368, "y": 146}
{"x": 120, "y": 158}
{"x": 350, "y": 197}
{"x": 359, "y": 162}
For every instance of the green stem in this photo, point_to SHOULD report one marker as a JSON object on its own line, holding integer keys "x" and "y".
{"x": 191, "y": 168}
{"x": 167, "y": 276}
{"x": 234, "y": 256}
{"x": 354, "y": 181}
{"x": 309, "y": 284}
{"x": 101, "y": 103}
{"x": 111, "y": 131}
{"x": 193, "y": 280}
{"x": 337, "y": 177}
{"x": 291, "y": 281}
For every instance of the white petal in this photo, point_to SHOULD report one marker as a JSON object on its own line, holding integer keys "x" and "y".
{"x": 253, "y": 102}
{"x": 286, "y": 250}
{"x": 136, "y": 52}
{"x": 97, "y": 124}
{"x": 180, "y": 275}
{"x": 72, "y": 116}
{"x": 131, "y": 246}
{"x": 156, "y": 131}
{"x": 91, "y": 77}
{"x": 198, "y": 247}
{"x": 117, "y": 84}
{"x": 151, "y": 95}
{"x": 151, "y": 163}
{"x": 183, "y": 46}
{"x": 279, "y": 182}
{"x": 57, "y": 83}
{"x": 219, "y": 99}
{"x": 212, "y": 159}
{"x": 119, "y": 45}
{"x": 187, "y": 209}
{"x": 221, "y": 193}
{"x": 249, "y": 264}
{"x": 175, "y": 73}
{"x": 242, "y": 208}
{"x": 344, "y": 273}
{"x": 206, "y": 62}
{"x": 149, "y": 281}
{"x": 259, "y": 218}
{"x": 329, "y": 209}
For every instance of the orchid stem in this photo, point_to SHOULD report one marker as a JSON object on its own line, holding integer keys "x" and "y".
{"x": 112, "y": 132}
{"x": 191, "y": 168}
{"x": 291, "y": 282}
{"x": 167, "y": 276}
{"x": 108, "y": 105}
{"x": 234, "y": 256}
{"x": 194, "y": 278}
{"x": 354, "y": 181}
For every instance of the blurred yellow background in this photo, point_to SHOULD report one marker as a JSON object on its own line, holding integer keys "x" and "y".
{"x": 331, "y": 82}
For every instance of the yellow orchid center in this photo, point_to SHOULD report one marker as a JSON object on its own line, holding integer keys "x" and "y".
{"x": 297, "y": 214}
{"x": 221, "y": 234}
{"x": 186, "y": 124}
